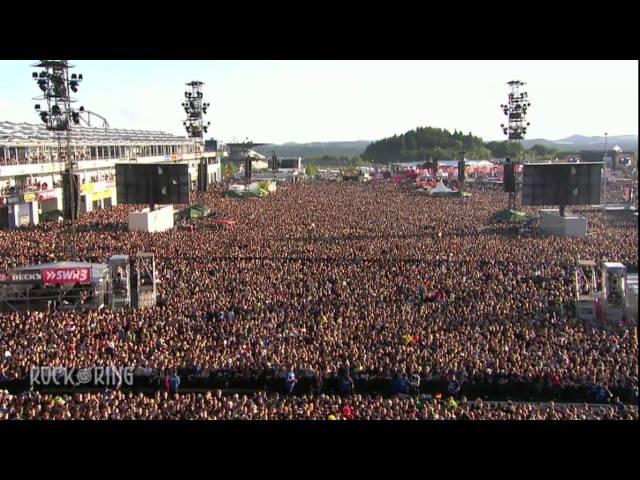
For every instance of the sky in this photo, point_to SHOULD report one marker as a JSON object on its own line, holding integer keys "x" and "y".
{"x": 322, "y": 100}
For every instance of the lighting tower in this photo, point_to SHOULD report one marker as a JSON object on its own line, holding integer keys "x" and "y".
{"x": 605, "y": 159}
{"x": 195, "y": 108}
{"x": 461, "y": 169}
{"x": 516, "y": 112}
{"x": 58, "y": 115}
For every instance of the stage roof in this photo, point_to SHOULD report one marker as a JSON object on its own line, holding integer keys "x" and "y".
{"x": 33, "y": 134}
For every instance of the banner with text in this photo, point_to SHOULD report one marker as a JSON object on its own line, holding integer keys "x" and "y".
{"x": 59, "y": 276}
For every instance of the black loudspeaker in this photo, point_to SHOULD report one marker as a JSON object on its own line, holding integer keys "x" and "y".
{"x": 162, "y": 183}
{"x": 203, "y": 177}
{"x": 134, "y": 184}
{"x": 172, "y": 184}
{"x": 70, "y": 188}
{"x": 247, "y": 168}
{"x": 4, "y": 217}
{"x": 561, "y": 184}
{"x": 460, "y": 172}
{"x": 509, "y": 176}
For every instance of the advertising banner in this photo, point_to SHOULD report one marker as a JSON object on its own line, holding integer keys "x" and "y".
{"x": 47, "y": 195}
{"x": 102, "y": 195}
{"x": 59, "y": 276}
{"x": 88, "y": 188}
{"x": 25, "y": 277}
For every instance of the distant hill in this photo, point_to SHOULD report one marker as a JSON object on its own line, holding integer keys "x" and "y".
{"x": 580, "y": 142}
{"x": 358, "y": 147}
{"x": 425, "y": 143}
{"x": 315, "y": 149}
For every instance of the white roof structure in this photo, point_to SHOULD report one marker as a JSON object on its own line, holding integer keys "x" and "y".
{"x": 614, "y": 266}
{"x": 468, "y": 163}
{"x": 26, "y": 134}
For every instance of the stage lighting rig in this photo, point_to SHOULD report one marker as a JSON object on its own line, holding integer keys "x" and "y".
{"x": 56, "y": 112}
{"x": 516, "y": 111}
{"x": 55, "y": 83}
{"x": 516, "y": 127}
{"x": 195, "y": 109}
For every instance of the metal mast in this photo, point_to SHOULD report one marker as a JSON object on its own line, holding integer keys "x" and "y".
{"x": 195, "y": 108}
{"x": 516, "y": 128}
{"x": 59, "y": 117}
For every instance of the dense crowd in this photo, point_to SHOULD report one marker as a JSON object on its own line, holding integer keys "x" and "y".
{"x": 114, "y": 405}
{"x": 327, "y": 277}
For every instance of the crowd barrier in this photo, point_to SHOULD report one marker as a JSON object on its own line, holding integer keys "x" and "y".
{"x": 491, "y": 390}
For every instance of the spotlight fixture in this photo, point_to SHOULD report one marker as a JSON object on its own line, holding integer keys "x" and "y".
{"x": 56, "y": 82}
{"x": 195, "y": 108}
{"x": 515, "y": 111}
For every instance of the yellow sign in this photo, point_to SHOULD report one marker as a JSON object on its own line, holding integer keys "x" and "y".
{"x": 102, "y": 195}
{"x": 29, "y": 197}
{"x": 88, "y": 188}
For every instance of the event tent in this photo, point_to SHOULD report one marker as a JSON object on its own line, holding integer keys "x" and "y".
{"x": 440, "y": 189}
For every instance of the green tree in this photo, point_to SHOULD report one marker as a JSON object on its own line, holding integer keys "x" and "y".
{"x": 542, "y": 151}
{"x": 228, "y": 168}
{"x": 311, "y": 170}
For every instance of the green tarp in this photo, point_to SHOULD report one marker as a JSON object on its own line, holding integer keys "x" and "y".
{"x": 194, "y": 211}
{"x": 245, "y": 193}
{"x": 510, "y": 216}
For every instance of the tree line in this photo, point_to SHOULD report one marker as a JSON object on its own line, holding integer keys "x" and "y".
{"x": 428, "y": 143}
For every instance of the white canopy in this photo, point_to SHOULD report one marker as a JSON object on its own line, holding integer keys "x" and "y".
{"x": 440, "y": 188}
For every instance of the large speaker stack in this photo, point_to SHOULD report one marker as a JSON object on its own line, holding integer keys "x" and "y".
{"x": 247, "y": 168}
{"x": 162, "y": 184}
{"x": 509, "y": 176}
{"x": 461, "y": 173}
{"x": 69, "y": 189}
{"x": 203, "y": 177}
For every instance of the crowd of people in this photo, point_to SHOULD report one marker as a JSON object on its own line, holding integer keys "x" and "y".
{"x": 327, "y": 278}
{"x": 115, "y": 405}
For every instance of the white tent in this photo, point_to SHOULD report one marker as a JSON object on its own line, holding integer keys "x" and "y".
{"x": 259, "y": 165}
{"x": 482, "y": 163}
{"x": 440, "y": 188}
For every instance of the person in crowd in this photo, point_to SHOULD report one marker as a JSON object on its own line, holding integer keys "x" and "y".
{"x": 172, "y": 382}
{"x": 291, "y": 381}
